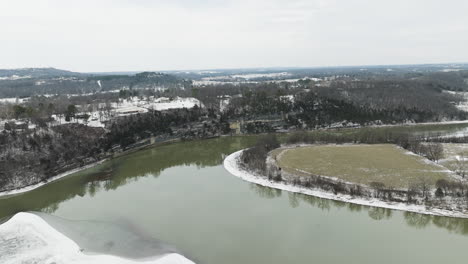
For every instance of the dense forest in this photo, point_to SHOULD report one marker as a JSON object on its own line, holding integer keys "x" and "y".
{"x": 28, "y": 158}
{"x": 362, "y": 103}
{"x": 31, "y": 156}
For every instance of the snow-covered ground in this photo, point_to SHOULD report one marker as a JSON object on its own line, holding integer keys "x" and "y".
{"x": 208, "y": 82}
{"x": 13, "y": 100}
{"x": 27, "y": 238}
{"x": 289, "y": 98}
{"x": 224, "y": 102}
{"x": 15, "y": 77}
{"x": 296, "y": 80}
{"x": 458, "y": 134}
{"x": 160, "y": 104}
{"x": 463, "y": 105}
{"x": 451, "y": 70}
{"x": 130, "y": 106}
{"x": 164, "y": 103}
{"x": 95, "y": 120}
{"x": 231, "y": 164}
{"x": 260, "y": 75}
{"x": 464, "y": 95}
{"x": 251, "y": 78}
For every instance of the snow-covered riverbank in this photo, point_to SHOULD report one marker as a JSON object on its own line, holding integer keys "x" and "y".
{"x": 27, "y": 238}
{"x": 50, "y": 180}
{"x": 231, "y": 164}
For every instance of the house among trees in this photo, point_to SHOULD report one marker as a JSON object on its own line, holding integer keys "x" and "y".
{"x": 235, "y": 127}
{"x": 16, "y": 125}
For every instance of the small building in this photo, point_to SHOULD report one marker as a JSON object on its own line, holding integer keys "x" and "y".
{"x": 131, "y": 110}
{"x": 235, "y": 127}
{"x": 16, "y": 125}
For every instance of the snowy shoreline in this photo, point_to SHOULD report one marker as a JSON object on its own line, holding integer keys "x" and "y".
{"x": 50, "y": 180}
{"x": 231, "y": 164}
{"x": 27, "y": 238}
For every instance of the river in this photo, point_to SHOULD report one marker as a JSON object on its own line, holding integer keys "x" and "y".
{"x": 181, "y": 194}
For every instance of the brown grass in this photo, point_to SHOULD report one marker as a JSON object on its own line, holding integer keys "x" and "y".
{"x": 362, "y": 164}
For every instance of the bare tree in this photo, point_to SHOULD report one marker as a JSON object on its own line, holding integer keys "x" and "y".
{"x": 443, "y": 185}
{"x": 6, "y": 111}
{"x": 378, "y": 187}
{"x": 108, "y": 108}
{"x": 424, "y": 187}
{"x": 434, "y": 151}
{"x": 461, "y": 165}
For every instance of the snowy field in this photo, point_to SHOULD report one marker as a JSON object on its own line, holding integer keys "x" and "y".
{"x": 160, "y": 104}
{"x": 261, "y": 75}
{"x": 249, "y": 76}
{"x": 131, "y": 106}
{"x": 252, "y": 78}
{"x": 164, "y": 103}
{"x": 13, "y": 100}
{"x": 27, "y": 238}
{"x": 231, "y": 164}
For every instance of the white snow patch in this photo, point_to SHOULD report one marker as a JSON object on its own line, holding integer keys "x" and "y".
{"x": 451, "y": 70}
{"x": 463, "y": 105}
{"x": 15, "y": 77}
{"x": 224, "y": 102}
{"x": 296, "y": 80}
{"x": 129, "y": 110}
{"x": 27, "y": 238}
{"x": 164, "y": 103}
{"x": 260, "y": 75}
{"x": 96, "y": 119}
{"x": 251, "y": 79}
{"x": 13, "y": 100}
{"x": 289, "y": 98}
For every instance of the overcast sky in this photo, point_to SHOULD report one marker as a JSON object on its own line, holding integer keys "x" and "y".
{"x": 124, "y": 35}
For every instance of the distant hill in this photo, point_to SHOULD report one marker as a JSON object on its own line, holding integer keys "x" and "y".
{"x": 40, "y": 81}
{"x": 35, "y": 72}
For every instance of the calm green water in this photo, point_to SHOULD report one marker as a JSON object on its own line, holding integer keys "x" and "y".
{"x": 182, "y": 195}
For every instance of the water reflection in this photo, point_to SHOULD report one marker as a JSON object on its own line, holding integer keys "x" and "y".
{"x": 455, "y": 225}
{"x": 338, "y": 204}
{"x": 378, "y": 213}
{"x": 293, "y": 200}
{"x": 415, "y": 220}
{"x": 265, "y": 192}
{"x": 323, "y": 204}
{"x": 355, "y": 207}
